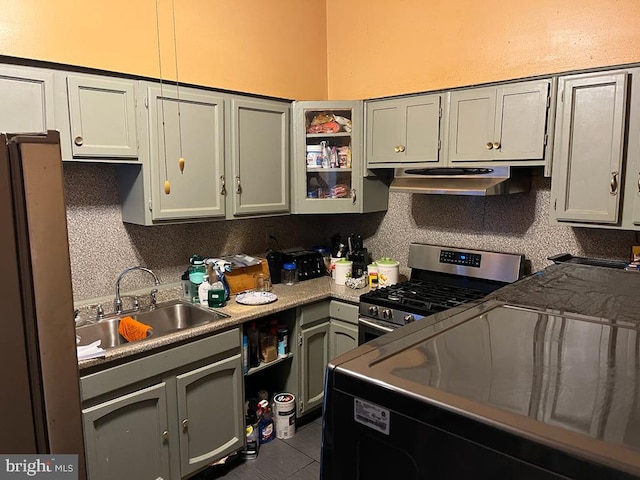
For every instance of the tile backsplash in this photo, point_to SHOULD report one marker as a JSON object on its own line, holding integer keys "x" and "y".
{"x": 101, "y": 245}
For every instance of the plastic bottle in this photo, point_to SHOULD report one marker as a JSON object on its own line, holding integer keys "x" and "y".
{"x": 186, "y": 288}
{"x": 266, "y": 430}
{"x": 197, "y": 271}
{"x": 203, "y": 291}
{"x": 254, "y": 355}
{"x": 283, "y": 340}
{"x": 245, "y": 353}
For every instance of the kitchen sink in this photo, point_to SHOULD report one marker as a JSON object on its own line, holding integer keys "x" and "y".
{"x": 164, "y": 319}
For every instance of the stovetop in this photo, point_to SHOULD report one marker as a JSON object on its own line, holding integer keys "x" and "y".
{"x": 441, "y": 278}
{"x": 423, "y": 296}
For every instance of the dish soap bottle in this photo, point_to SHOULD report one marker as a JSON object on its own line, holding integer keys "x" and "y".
{"x": 203, "y": 291}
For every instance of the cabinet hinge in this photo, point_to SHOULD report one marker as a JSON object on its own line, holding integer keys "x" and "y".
{"x": 146, "y": 102}
{"x": 546, "y": 138}
{"x": 548, "y": 101}
{"x": 300, "y": 339}
{"x": 562, "y": 95}
{"x": 439, "y": 112}
{"x": 555, "y": 203}
{"x": 439, "y": 144}
{"x": 150, "y": 206}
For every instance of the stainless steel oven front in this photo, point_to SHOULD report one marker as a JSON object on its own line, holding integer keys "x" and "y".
{"x": 369, "y": 328}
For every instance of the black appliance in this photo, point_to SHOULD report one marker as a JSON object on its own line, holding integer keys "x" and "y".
{"x": 490, "y": 391}
{"x": 309, "y": 264}
{"x": 274, "y": 260}
{"x": 441, "y": 278}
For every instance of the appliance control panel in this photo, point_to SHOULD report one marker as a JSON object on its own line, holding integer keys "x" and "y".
{"x": 460, "y": 258}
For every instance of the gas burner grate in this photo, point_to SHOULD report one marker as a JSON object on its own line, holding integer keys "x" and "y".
{"x": 427, "y": 296}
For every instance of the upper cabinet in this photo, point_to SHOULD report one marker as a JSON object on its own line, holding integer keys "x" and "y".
{"x": 403, "y": 131}
{"x": 185, "y": 123}
{"x": 235, "y": 151}
{"x": 259, "y": 173}
{"x": 596, "y": 167}
{"x": 501, "y": 123}
{"x": 102, "y": 113}
{"x": 328, "y": 165}
{"x": 27, "y": 99}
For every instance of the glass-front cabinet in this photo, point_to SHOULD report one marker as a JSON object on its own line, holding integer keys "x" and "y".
{"x": 328, "y": 160}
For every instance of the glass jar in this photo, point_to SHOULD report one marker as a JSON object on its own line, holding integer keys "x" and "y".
{"x": 289, "y": 274}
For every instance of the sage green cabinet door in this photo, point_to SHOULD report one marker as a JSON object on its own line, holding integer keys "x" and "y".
{"x": 260, "y": 157}
{"x": 507, "y": 122}
{"x": 344, "y": 337}
{"x": 589, "y": 147}
{"x": 210, "y": 414}
{"x": 314, "y": 356}
{"x": 521, "y": 120}
{"x": 102, "y": 113}
{"x": 189, "y": 126}
{"x": 403, "y": 131}
{"x": 127, "y": 437}
{"x": 26, "y": 96}
{"x": 471, "y": 124}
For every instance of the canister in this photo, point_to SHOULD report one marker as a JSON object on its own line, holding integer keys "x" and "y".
{"x": 388, "y": 271}
{"x": 342, "y": 269}
{"x": 314, "y": 156}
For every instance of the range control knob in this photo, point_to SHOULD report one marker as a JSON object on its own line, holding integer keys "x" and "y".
{"x": 409, "y": 318}
{"x": 386, "y": 314}
{"x": 373, "y": 311}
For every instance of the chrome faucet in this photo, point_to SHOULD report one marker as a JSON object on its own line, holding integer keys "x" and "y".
{"x": 117, "y": 304}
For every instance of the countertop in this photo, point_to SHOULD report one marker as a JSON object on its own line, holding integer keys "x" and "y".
{"x": 303, "y": 293}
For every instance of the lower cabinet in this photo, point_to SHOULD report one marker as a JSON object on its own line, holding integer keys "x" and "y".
{"x": 327, "y": 329}
{"x": 128, "y": 437}
{"x": 166, "y": 415}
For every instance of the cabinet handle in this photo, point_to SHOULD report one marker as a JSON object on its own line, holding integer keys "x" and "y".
{"x": 496, "y": 145}
{"x": 185, "y": 423}
{"x": 614, "y": 183}
{"x": 489, "y": 145}
{"x": 238, "y": 186}
{"x": 223, "y": 186}
{"x": 399, "y": 148}
{"x": 638, "y": 185}
{"x": 165, "y": 435}
{"x": 353, "y": 196}
{"x": 78, "y": 141}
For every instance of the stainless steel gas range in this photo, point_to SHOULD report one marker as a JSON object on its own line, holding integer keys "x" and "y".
{"x": 441, "y": 278}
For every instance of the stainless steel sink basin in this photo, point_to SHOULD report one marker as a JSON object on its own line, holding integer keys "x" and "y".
{"x": 166, "y": 318}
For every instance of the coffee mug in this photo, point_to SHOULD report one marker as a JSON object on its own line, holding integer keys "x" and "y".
{"x": 262, "y": 282}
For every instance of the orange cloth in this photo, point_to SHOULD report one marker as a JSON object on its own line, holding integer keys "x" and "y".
{"x": 133, "y": 330}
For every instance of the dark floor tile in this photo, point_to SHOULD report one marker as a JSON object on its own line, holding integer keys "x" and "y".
{"x": 308, "y": 440}
{"x": 310, "y": 472}
{"x": 236, "y": 469}
{"x": 277, "y": 460}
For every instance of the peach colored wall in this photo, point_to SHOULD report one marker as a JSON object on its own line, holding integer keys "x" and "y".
{"x": 387, "y": 47}
{"x": 275, "y": 48}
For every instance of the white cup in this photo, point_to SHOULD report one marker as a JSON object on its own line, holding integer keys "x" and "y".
{"x": 342, "y": 269}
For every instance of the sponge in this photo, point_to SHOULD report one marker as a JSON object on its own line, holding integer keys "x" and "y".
{"x": 133, "y": 330}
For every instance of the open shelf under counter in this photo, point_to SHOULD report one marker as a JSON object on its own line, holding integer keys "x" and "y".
{"x": 264, "y": 365}
{"x": 320, "y": 170}
{"x": 329, "y": 135}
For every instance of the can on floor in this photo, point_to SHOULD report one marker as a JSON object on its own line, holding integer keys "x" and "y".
{"x": 284, "y": 413}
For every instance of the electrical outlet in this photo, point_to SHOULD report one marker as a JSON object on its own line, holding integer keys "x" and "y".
{"x": 269, "y": 232}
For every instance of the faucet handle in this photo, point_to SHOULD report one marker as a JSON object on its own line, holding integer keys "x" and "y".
{"x": 136, "y": 303}
{"x": 99, "y": 312}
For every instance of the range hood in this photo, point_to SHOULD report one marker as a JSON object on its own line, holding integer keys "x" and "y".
{"x": 461, "y": 181}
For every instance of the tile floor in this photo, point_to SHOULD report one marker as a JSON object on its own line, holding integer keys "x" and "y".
{"x": 297, "y": 458}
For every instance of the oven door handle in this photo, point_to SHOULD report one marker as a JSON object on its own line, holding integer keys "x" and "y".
{"x": 376, "y": 326}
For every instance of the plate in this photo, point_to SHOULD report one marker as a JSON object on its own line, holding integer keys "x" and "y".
{"x": 256, "y": 298}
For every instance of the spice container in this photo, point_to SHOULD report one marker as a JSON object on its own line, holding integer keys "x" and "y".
{"x": 289, "y": 274}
